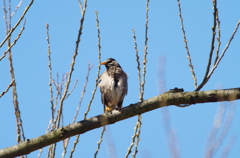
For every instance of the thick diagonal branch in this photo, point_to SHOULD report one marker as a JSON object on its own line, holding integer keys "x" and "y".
{"x": 165, "y": 99}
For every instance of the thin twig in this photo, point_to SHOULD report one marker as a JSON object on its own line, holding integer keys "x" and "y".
{"x": 74, "y": 145}
{"x": 95, "y": 88}
{"x": 5, "y": 16}
{"x": 20, "y": 19}
{"x": 19, "y": 4}
{"x": 19, "y": 124}
{"x": 9, "y": 86}
{"x": 137, "y": 129}
{"x": 139, "y": 122}
{"x": 219, "y": 37}
{"x": 100, "y": 141}
{"x": 80, "y": 5}
{"x": 72, "y": 64}
{"x": 83, "y": 10}
{"x": 219, "y": 59}
{"x": 66, "y": 141}
{"x": 50, "y": 74}
{"x": 205, "y": 78}
{"x": 15, "y": 40}
{"x": 225, "y": 49}
{"x": 145, "y": 52}
{"x": 50, "y": 85}
{"x": 99, "y": 67}
{"x": 133, "y": 141}
{"x": 213, "y": 37}
{"x": 83, "y": 92}
{"x": 138, "y": 62}
{"x": 71, "y": 70}
{"x": 74, "y": 86}
{"x": 52, "y": 124}
{"x": 186, "y": 45}
{"x": 59, "y": 89}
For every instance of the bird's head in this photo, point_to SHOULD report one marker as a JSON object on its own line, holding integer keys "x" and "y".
{"x": 110, "y": 62}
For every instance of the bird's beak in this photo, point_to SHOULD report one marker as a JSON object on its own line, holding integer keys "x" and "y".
{"x": 104, "y": 63}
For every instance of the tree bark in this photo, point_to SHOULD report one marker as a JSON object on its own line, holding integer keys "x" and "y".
{"x": 180, "y": 99}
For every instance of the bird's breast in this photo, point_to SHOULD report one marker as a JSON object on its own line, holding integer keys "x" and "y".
{"x": 110, "y": 86}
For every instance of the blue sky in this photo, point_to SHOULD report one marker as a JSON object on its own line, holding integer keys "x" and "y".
{"x": 117, "y": 18}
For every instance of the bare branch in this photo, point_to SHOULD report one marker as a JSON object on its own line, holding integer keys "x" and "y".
{"x": 100, "y": 141}
{"x": 218, "y": 37}
{"x": 145, "y": 52}
{"x": 14, "y": 41}
{"x": 215, "y": 10}
{"x": 66, "y": 142}
{"x": 133, "y": 141}
{"x": 99, "y": 68}
{"x": 81, "y": 6}
{"x": 99, "y": 65}
{"x": 140, "y": 94}
{"x": 205, "y": 78}
{"x": 139, "y": 122}
{"x": 83, "y": 92}
{"x": 98, "y": 73}
{"x": 83, "y": 126}
{"x": 186, "y": 45}
{"x": 72, "y": 64}
{"x": 19, "y": 4}
{"x": 51, "y": 122}
{"x": 219, "y": 59}
{"x": 16, "y": 25}
{"x": 50, "y": 73}
{"x": 19, "y": 123}
{"x": 225, "y": 49}
{"x": 137, "y": 129}
{"x": 7, "y": 89}
{"x": 138, "y": 62}
{"x": 74, "y": 86}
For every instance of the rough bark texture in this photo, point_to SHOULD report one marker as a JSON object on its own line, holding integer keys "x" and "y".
{"x": 165, "y": 99}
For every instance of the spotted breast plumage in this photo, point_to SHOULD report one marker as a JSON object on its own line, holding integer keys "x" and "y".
{"x": 113, "y": 85}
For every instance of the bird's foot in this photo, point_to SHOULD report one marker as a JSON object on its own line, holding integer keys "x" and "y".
{"x": 119, "y": 108}
{"x": 108, "y": 110}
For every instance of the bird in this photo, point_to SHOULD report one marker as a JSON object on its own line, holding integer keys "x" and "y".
{"x": 113, "y": 85}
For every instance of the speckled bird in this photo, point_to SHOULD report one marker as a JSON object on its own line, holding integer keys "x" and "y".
{"x": 113, "y": 85}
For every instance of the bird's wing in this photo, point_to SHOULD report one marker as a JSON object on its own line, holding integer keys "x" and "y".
{"x": 103, "y": 101}
{"x": 124, "y": 90}
{"x": 125, "y": 83}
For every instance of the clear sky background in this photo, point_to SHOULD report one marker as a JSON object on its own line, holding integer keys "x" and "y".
{"x": 191, "y": 125}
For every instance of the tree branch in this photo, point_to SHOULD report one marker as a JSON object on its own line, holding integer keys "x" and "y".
{"x": 165, "y": 99}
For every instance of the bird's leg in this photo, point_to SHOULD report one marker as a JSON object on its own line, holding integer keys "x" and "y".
{"x": 107, "y": 109}
{"x": 119, "y": 108}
